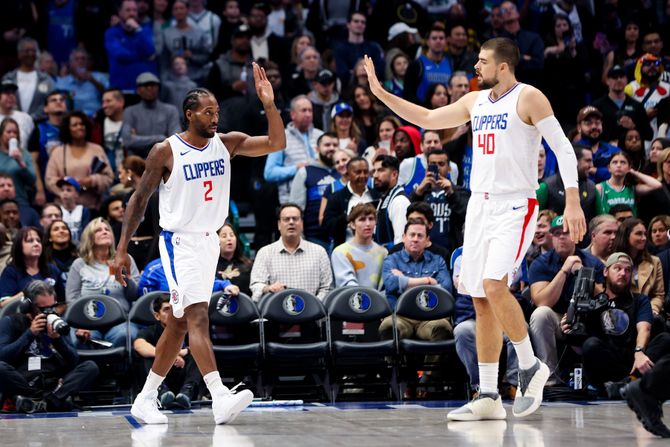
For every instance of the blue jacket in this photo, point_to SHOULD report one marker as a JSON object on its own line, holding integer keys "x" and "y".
{"x": 153, "y": 279}
{"x": 429, "y": 264}
{"x": 601, "y": 159}
{"x": 129, "y": 55}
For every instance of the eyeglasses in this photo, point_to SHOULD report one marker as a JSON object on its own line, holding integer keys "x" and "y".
{"x": 287, "y": 219}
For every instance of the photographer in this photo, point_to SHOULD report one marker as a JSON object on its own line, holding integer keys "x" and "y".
{"x": 38, "y": 363}
{"x": 552, "y": 280}
{"x": 618, "y": 342}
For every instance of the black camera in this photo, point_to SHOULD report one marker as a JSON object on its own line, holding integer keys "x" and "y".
{"x": 55, "y": 321}
{"x": 583, "y": 302}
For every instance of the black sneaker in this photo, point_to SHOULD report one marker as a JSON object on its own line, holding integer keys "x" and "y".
{"x": 647, "y": 409}
{"x": 29, "y": 405}
{"x": 182, "y": 401}
{"x": 167, "y": 400}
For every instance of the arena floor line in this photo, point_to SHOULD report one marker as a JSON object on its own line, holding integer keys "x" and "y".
{"x": 360, "y": 424}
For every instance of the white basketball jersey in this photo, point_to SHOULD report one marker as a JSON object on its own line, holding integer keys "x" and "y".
{"x": 505, "y": 149}
{"x": 196, "y": 196}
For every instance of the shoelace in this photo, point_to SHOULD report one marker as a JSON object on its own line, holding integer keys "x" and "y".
{"x": 233, "y": 390}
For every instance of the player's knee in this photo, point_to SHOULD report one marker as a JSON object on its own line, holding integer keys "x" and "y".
{"x": 494, "y": 287}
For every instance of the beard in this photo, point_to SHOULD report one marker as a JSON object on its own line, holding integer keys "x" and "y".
{"x": 489, "y": 83}
{"x": 328, "y": 161}
{"x": 591, "y": 139}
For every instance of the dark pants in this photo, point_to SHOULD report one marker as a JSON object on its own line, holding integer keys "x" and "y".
{"x": 180, "y": 379}
{"x": 14, "y": 382}
{"x": 656, "y": 381}
{"x": 604, "y": 362}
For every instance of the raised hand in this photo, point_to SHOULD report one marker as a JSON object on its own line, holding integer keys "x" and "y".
{"x": 375, "y": 86}
{"x": 263, "y": 86}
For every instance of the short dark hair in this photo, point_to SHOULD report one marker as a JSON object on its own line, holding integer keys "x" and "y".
{"x": 192, "y": 99}
{"x": 325, "y": 134}
{"x": 62, "y": 93}
{"x": 355, "y": 160}
{"x": 422, "y": 208}
{"x": 118, "y": 94}
{"x": 436, "y": 27}
{"x": 353, "y": 13}
{"x": 134, "y": 164}
{"x": 158, "y": 302}
{"x": 65, "y": 135}
{"x": 620, "y": 208}
{"x": 579, "y": 150}
{"x": 8, "y": 200}
{"x": 415, "y": 222}
{"x": 388, "y": 161}
{"x": 504, "y": 50}
{"x": 289, "y": 205}
{"x": 438, "y": 152}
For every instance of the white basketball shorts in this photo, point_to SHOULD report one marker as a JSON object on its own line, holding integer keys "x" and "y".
{"x": 498, "y": 231}
{"x": 189, "y": 261}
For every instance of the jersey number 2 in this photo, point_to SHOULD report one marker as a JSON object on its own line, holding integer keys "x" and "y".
{"x": 208, "y": 190}
{"x": 487, "y": 143}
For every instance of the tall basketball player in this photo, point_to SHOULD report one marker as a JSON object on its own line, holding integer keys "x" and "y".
{"x": 192, "y": 172}
{"x": 508, "y": 120}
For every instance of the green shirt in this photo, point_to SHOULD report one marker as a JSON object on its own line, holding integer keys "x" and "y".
{"x": 609, "y": 197}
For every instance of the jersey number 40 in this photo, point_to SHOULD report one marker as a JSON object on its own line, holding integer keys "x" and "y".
{"x": 487, "y": 143}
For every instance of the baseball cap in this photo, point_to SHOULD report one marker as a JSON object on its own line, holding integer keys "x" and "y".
{"x": 340, "y": 108}
{"x": 242, "y": 30}
{"x": 69, "y": 181}
{"x": 587, "y": 111}
{"x": 325, "y": 77}
{"x": 399, "y": 28}
{"x": 556, "y": 223}
{"x": 617, "y": 70}
{"x": 147, "y": 78}
{"x": 8, "y": 85}
{"x": 616, "y": 257}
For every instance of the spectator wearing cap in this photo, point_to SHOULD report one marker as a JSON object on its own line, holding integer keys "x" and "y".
{"x": 149, "y": 121}
{"x": 342, "y": 124}
{"x": 323, "y": 95}
{"x": 647, "y": 88}
{"x": 590, "y": 127}
{"x": 188, "y": 41}
{"x": 33, "y": 85}
{"x": 552, "y": 279}
{"x": 80, "y": 159}
{"x": 402, "y": 39}
{"x": 8, "y": 106}
{"x": 351, "y": 50}
{"x": 130, "y": 48}
{"x": 75, "y": 215}
{"x": 620, "y": 111}
{"x": 229, "y": 76}
{"x": 85, "y": 86}
{"x": 301, "y": 137}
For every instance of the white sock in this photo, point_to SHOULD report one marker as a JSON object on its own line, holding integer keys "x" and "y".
{"x": 524, "y": 351}
{"x": 153, "y": 382}
{"x": 214, "y": 384}
{"x": 488, "y": 378}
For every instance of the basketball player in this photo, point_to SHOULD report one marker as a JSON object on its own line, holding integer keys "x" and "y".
{"x": 508, "y": 120}
{"x": 192, "y": 173}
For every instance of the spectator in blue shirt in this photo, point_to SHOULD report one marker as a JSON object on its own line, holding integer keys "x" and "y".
{"x": 130, "y": 48}
{"x": 552, "y": 279}
{"x": 348, "y": 52}
{"x": 411, "y": 267}
{"x": 85, "y": 86}
{"x": 590, "y": 126}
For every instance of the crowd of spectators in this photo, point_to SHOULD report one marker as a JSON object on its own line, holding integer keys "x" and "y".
{"x": 358, "y": 196}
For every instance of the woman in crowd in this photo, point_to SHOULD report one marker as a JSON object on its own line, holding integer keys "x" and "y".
{"x": 86, "y": 162}
{"x": 627, "y": 50}
{"x": 144, "y": 244}
{"x": 658, "y": 201}
{"x": 437, "y": 96}
{"x": 619, "y": 189}
{"x": 59, "y": 248}
{"x": 647, "y": 277}
{"x": 347, "y": 131}
{"x": 90, "y": 276}
{"x": 16, "y": 162}
{"x": 29, "y": 262}
{"x": 658, "y": 234}
{"x": 655, "y": 149}
{"x": 382, "y": 146}
{"x": 631, "y": 143}
{"x": 299, "y": 43}
{"x": 396, "y": 84}
{"x": 233, "y": 265}
{"x": 367, "y": 112}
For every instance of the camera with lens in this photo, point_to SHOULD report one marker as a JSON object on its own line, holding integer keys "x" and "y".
{"x": 582, "y": 302}
{"x": 55, "y": 321}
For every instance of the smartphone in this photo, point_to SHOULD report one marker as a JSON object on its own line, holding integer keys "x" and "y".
{"x": 434, "y": 170}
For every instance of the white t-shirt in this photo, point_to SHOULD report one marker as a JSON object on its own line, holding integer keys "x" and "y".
{"x": 112, "y": 139}
{"x": 27, "y": 83}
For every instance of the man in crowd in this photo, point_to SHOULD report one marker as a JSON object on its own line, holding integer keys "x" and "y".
{"x": 429, "y": 68}
{"x": 351, "y": 50}
{"x": 590, "y": 127}
{"x": 276, "y": 264}
{"x": 301, "y": 136}
{"x": 150, "y": 121}
{"x": 55, "y": 108}
{"x": 27, "y": 214}
{"x": 323, "y": 97}
{"x": 85, "y": 86}
{"x": 603, "y": 230}
{"x": 391, "y": 211}
{"x": 309, "y": 184}
{"x": 109, "y": 125}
